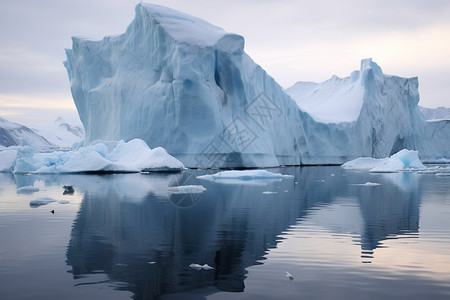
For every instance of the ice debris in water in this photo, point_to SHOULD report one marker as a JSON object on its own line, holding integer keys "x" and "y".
{"x": 186, "y": 189}
{"x": 199, "y": 267}
{"x": 27, "y": 190}
{"x": 288, "y": 275}
{"x": 244, "y": 177}
{"x": 41, "y": 201}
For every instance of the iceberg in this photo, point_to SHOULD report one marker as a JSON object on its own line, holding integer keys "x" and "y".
{"x": 98, "y": 157}
{"x": 401, "y": 161}
{"x": 178, "y": 82}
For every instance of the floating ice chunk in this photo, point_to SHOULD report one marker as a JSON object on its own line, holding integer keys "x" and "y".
{"x": 363, "y": 163}
{"x": 63, "y": 202}
{"x": 269, "y": 192}
{"x": 245, "y": 177}
{"x": 100, "y": 156}
{"x": 27, "y": 190}
{"x": 199, "y": 267}
{"x": 400, "y": 161}
{"x": 442, "y": 174}
{"x": 368, "y": 184}
{"x": 41, "y": 201}
{"x": 435, "y": 170}
{"x": 207, "y": 267}
{"x": 195, "y": 266}
{"x": 288, "y": 275}
{"x": 186, "y": 189}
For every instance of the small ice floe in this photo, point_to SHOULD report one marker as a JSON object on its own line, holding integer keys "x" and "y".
{"x": 269, "y": 192}
{"x": 199, "y": 267}
{"x": 186, "y": 189}
{"x": 288, "y": 275}
{"x": 286, "y": 191}
{"x": 442, "y": 174}
{"x": 438, "y": 171}
{"x": 152, "y": 262}
{"x": 252, "y": 177}
{"x": 195, "y": 266}
{"x": 333, "y": 175}
{"x": 63, "y": 202}
{"x": 368, "y": 183}
{"x": 121, "y": 265}
{"x": 27, "y": 190}
{"x": 207, "y": 267}
{"x": 41, "y": 201}
{"x": 68, "y": 190}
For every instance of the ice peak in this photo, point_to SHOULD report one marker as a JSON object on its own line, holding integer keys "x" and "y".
{"x": 182, "y": 27}
{"x": 369, "y": 64}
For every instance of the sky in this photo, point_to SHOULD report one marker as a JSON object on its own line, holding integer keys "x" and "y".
{"x": 293, "y": 40}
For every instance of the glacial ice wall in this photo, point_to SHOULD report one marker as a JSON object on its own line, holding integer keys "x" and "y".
{"x": 178, "y": 82}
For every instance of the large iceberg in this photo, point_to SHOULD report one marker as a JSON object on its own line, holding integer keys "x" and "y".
{"x": 178, "y": 82}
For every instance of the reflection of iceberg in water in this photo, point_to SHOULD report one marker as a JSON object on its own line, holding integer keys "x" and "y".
{"x": 392, "y": 211}
{"x": 150, "y": 244}
{"x": 130, "y": 229}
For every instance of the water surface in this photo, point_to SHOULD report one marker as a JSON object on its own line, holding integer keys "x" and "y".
{"x": 124, "y": 236}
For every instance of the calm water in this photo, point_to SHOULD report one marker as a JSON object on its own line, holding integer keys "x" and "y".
{"x": 124, "y": 236}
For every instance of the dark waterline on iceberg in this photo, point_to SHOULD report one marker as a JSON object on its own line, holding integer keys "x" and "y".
{"x": 125, "y": 236}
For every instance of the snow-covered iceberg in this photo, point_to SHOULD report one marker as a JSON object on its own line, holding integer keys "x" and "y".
{"x": 178, "y": 82}
{"x": 100, "y": 156}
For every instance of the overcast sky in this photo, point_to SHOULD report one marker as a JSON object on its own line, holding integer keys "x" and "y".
{"x": 292, "y": 40}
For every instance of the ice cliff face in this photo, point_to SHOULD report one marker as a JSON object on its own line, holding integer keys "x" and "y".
{"x": 388, "y": 120}
{"x": 178, "y": 82}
